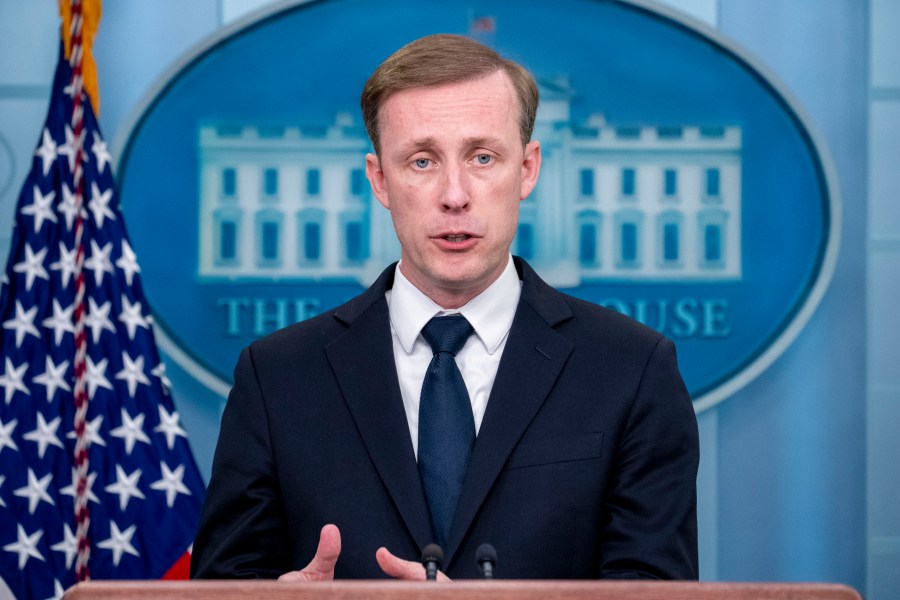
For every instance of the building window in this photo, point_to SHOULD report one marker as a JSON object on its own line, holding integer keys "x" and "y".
{"x": 356, "y": 237}
{"x": 712, "y": 183}
{"x": 628, "y": 231}
{"x": 229, "y": 181}
{"x": 312, "y": 241}
{"x": 712, "y": 243}
{"x": 310, "y": 236}
{"x": 268, "y": 238}
{"x": 670, "y": 183}
{"x": 313, "y": 182}
{"x": 628, "y": 182}
{"x": 713, "y": 247}
{"x": 525, "y": 241}
{"x": 670, "y": 242}
{"x": 629, "y": 242}
{"x": 226, "y": 232}
{"x": 589, "y": 238}
{"x": 270, "y": 241}
{"x": 353, "y": 232}
{"x": 668, "y": 232}
{"x": 586, "y": 182}
{"x": 587, "y": 244}
{"x": 227, "y": 241}
{"x": 357, "y": 182}
{"x": 270, "y": 182}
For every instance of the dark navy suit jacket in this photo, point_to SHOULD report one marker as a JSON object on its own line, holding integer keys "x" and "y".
{"x": 585, "y": 464}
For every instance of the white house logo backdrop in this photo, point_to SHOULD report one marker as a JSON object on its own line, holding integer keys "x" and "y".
{"x": 679, "y": 184}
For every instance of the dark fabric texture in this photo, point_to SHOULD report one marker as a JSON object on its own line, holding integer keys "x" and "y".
{"x": 584, "y": 466}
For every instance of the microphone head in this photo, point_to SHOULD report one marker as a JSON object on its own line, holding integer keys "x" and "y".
{"x": 486, "y": 553}
{"x": 432, "y": 553}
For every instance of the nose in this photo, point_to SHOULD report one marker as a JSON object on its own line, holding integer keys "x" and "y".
{"x": 455, "y": 189}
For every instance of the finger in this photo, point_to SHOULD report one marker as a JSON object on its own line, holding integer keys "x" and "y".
{"x": 321, "y": 567}
{"x": 403, "y": 569}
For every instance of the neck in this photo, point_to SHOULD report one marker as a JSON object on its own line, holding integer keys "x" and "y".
{"x": 451, "y": 297}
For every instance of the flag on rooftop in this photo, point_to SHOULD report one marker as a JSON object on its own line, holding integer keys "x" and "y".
{"x": 96, "y": 476}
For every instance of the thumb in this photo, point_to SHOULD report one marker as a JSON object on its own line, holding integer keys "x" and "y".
{"x": 321, "y": 567}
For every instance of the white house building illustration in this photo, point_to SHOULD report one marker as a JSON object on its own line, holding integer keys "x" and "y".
{"x": 639, "y": 203}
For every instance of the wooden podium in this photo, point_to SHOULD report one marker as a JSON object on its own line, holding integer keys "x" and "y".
{"x": 459, "y": 590}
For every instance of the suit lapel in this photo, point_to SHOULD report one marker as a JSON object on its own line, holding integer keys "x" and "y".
{"x": 532, "y": 359}
{"x": 362, "y": 359}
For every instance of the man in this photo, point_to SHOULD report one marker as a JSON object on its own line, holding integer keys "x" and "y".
{"x": 562, "y": 433}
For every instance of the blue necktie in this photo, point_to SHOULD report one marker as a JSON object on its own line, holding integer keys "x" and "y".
{"x": 446, "y": 424}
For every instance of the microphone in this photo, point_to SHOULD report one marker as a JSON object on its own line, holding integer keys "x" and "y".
{"x": 486, "y": 557}
{"x": 432, "y": 557}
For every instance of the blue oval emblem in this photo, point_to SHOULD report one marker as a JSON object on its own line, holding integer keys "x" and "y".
{"x": 681, "y": 185}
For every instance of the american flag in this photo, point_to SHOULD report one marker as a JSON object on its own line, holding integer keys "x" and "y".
{"x": 483, "y": 24}
{"x": 144, "y": 491}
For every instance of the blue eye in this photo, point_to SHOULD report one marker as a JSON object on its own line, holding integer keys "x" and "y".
{"x": 422, "y": 162}
{"x": 483, "y": 159}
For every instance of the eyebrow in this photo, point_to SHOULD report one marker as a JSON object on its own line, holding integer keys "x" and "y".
{"x": 470, "y": 142}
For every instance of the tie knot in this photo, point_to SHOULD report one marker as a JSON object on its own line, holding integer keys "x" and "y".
{"x": 447, "y": 334}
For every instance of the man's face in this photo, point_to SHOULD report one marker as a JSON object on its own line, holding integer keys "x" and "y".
{"x": 452, "y": 171}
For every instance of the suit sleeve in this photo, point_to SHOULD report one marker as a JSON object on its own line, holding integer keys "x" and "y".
{"x": 242, "y": 532}
{"x": 651, "y": 507}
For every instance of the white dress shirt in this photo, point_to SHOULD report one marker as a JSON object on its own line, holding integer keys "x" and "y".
{"x": 491, "y": 315}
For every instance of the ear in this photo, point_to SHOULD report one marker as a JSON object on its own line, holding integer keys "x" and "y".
{"x": 376, "y": 179}
{"x": 531, "y": 167}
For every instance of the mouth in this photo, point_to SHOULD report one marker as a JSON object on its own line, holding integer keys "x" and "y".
{"x": 456, "y": 242}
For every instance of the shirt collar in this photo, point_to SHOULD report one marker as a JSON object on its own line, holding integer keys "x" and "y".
{"x": 490, "y": 313}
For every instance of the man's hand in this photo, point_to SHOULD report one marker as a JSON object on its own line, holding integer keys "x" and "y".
{"x": 403, "y": 569}
{"x": 321, "y": 567}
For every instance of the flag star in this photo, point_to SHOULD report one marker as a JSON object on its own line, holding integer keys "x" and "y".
{"x": 131, "y": 431}
{"x": 99, "y": 204}
{"x": 93, "y": 431}
{"x": 125, "y": 486}
{"x": 70, "y": 490}
{"x": 2, "y": 479}
{"x": 101, "y": 152}
{"x": 58, "y": 590}
{"x": 53, "y": 377}
{"x": 69, "y": 207}
{"x": 44, "y": 434}
{"x": 6, "y": 430}
{"x": 160, "y": 372}
{"x": 32, "y": 266}
{"x": 132, "y": 372}
{"x": 41, "y": 208}
{"x": 35, "y": 491}
{"x": 119, "y": 542}
{"x": 171, "y": 483}
{"x": 96, "y": 376}
{"x": 99, "y": 261}
{"x": 68, "y": 545}
{"x": 26, "y": 546}
{"x": 97, "y": 319}
{"x": 128, "y": 262}
{"x": 46, "y": 151}
{"x": 66, "y": 264}
{"x": 70, "y": 148}
{"x": 11, "y": 379}
{"x": 168, "y": 426}
{"x": 132, "y": 317}
{"x": 60, "y": 322}
{"x": 23, "y": 323}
